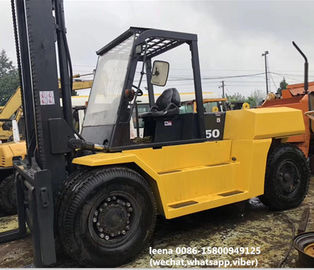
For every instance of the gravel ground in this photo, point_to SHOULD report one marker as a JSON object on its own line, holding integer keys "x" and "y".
{"x": 241, "y": 225}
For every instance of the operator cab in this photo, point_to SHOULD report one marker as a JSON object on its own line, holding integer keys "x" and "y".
{"x": 126, "y": 69}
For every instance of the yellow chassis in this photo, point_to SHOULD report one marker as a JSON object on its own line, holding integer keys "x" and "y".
{"x": 9, "y": 150}
{"x": 189, "y": 178}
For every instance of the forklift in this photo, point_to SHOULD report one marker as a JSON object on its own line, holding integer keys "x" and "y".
{"x": 96, "y": 194}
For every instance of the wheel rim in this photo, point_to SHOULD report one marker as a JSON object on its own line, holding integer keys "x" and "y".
{"x": 112, "y": 220}
{"x": 289, "y": 177}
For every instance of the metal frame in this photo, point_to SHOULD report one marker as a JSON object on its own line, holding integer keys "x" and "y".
{"x": 153, "y": 42}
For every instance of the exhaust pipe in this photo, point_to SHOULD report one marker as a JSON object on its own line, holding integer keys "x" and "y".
{"x": 306, "y": 68}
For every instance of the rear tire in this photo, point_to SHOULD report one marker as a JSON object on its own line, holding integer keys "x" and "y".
{"x": 8, "y": 195}
{"x": 287, "y": 177}
{"x": 109, "y": 219}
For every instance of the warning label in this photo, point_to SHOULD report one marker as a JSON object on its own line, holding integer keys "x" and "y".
{"x": 167, "y": 123}
{"x": 46, "y": 98}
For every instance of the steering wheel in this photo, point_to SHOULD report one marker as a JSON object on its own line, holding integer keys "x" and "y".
{"x": 139, "y": 92}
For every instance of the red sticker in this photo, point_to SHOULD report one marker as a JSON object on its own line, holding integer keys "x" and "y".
{"x": 167, "y": 123}
{"x": 47, "y": 98}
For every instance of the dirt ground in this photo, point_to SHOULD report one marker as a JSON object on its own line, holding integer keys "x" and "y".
{"x": 230, "y": 226}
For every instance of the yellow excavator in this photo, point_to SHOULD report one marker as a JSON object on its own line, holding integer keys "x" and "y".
{"x": 11, "y": 110}
{"x": 11, "y": 129}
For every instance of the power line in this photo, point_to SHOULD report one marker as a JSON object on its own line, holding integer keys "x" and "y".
{"x": 288, "y": 74}
{"x": 217, "y": 78}
{"x": 291, "y": 78}
{"x": 271, "y": 76}
{"x": 204, "y": 69}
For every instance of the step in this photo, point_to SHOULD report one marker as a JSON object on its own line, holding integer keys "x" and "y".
{"x": 180, "y": 208}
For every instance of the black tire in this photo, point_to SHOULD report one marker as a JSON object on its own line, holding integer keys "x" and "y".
{"x": 287, "y": 177}
{"x": 63, "y": 196}
{"x": 8, "y": 195}
{"x": 107, "y": 217}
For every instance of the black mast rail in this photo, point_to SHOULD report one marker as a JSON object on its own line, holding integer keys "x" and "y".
{"x": 38, "y": 23}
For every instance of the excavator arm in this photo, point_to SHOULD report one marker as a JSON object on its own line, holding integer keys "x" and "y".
{"x": 11, "y": 111}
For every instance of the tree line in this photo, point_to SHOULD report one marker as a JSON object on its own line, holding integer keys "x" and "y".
{"x": 9, "y": 78}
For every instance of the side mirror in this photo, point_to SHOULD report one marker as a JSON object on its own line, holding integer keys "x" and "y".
{"x": 160, "y": 73}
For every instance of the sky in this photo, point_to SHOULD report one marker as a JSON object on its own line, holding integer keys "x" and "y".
{"x": 232, "y": 35}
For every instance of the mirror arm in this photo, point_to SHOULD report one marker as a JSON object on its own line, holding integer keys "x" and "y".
{"x": 151, "y": 97}
{"x": 139, "y": 83}
{"x": 143, "y": 65}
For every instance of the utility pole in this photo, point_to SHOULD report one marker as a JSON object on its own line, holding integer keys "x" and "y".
{"x": 223, "y": 88}
{"x": 266, "y": 72}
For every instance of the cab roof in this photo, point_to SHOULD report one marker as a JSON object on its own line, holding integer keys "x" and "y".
{"x": 153, "y": 41}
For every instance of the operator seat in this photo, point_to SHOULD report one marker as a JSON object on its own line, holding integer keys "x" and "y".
{"x": 167, "y": 103}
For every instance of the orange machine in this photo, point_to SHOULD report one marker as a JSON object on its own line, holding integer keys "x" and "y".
{"x": 299, "y": 96}
{"x": 294, "y": 96}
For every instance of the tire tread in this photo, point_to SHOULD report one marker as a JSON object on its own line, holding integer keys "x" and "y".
{"x": 269, "y": 198}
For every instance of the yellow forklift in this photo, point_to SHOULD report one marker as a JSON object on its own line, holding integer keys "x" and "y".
{"x": 98, "y": 192}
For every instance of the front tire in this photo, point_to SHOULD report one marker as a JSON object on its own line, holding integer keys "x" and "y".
{"x": 109, "y": 219}
{"x": 8, "y": 195}
{"x": 287, "y": 177}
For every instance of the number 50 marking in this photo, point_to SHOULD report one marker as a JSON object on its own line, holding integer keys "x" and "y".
{"x": 212, "y": 133}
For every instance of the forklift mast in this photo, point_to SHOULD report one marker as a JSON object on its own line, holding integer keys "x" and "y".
{"x": 38, "y": 28}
